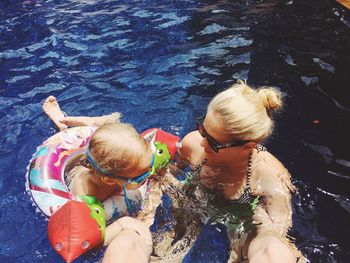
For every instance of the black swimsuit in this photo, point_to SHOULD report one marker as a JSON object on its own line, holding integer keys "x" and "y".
{"x": 246, "y": 197}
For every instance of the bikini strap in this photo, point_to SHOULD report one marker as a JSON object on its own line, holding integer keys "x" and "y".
{"x": 261, "y": 148}
{"x": 249, "y": 172}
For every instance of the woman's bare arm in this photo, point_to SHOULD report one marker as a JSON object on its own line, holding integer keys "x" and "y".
{"x": 274, "y": 183}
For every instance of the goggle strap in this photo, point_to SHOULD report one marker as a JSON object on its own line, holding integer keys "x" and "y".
{"x": 127, "y": 201}
{"x": 95, "y": 165}
{"x": 139, "y": 178}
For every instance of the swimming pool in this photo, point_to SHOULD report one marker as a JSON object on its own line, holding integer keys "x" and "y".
{"x": 160, "y": 62}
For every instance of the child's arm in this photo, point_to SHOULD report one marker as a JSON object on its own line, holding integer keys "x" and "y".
{"x": 153, "y": 200}
{"x": 165, "y": 182}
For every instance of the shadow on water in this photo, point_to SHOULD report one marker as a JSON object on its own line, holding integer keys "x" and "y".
{"x": 162, "y": 61}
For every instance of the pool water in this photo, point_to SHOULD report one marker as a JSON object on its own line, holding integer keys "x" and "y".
{"x": 159, "y": 63}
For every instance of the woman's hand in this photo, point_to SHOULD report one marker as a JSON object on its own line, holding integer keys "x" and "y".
{"x": 129, "y": 240}
{"x": 268, "y": 248}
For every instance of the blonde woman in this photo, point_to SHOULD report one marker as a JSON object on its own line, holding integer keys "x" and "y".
{"x": 226, "y": 152}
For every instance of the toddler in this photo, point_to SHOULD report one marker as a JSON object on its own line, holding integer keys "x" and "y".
{"x": 116, "y": 158}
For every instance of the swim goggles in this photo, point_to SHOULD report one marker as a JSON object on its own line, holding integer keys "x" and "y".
{"x": 136, "y": 180}
{"x": 214, "y": 144}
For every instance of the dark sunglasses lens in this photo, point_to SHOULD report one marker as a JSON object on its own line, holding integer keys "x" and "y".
{"x": 200, "y": 129}
{"x": 212, "y": 144}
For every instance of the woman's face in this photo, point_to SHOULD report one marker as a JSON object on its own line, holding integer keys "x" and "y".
{"x": 213, "y": 127}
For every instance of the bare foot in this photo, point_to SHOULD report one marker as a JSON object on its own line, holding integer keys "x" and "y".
{"x": 91, "y": 121}
{"x": 52, "y": 109}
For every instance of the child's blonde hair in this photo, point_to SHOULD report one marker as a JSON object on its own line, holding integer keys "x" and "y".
{"x": 117, "y": 147}
{"x": 245, "y": 112}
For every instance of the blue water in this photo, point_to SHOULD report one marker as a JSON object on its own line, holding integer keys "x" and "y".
{"x": 159, "y": 63}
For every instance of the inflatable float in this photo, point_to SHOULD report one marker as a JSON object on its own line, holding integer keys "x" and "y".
{"x": 77, "y": 223}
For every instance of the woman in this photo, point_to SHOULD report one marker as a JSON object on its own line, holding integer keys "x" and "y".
{"x": 226, "y": 152}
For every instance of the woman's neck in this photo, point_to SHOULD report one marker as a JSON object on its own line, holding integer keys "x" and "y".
{"x": 234, "y": 166}
{"x": 230, "y": 160}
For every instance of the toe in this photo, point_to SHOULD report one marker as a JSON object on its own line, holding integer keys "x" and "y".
{"x": 51, "y": 99}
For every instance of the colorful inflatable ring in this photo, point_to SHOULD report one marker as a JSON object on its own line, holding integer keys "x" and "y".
{"x": 77, "y": 224}
{"x": 46, "y": 178}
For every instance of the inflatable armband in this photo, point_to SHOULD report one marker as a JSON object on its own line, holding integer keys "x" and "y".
{"x": 77, "y": 227}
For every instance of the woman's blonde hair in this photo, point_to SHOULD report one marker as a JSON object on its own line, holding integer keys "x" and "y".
{"x": 117, "y": 147}
{"x": 246, "y": 112}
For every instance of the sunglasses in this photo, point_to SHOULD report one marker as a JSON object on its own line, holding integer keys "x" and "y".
{"x": 214, "y": 144}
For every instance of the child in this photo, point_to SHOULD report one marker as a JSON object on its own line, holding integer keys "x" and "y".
{"x": 115, "y": 149}
{"x": 117, "y": 158}
{"x": 115, "y": 153}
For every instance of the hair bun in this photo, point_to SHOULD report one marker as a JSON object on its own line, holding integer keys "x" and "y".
{"x": 271, "y": 98}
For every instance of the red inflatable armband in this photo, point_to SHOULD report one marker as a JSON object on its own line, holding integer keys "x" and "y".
{"x": 72, "y": 231}
{"x": 158, "y": 135}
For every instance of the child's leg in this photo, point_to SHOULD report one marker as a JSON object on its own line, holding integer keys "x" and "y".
{"x": 53, "y": 111}
{"x": 91, "y": 121}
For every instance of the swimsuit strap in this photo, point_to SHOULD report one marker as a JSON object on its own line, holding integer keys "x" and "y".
{"x": 249, "y": 171}
{"x": 247, "y": 197}
{"x": 260, "y": 148}
{"x": 200, "y": 166}
{"x": 126, "y": 199}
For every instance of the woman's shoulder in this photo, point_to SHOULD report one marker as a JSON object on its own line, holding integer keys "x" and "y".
{"x": 266, "y": 160}
{"x": 269, "y": 175}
